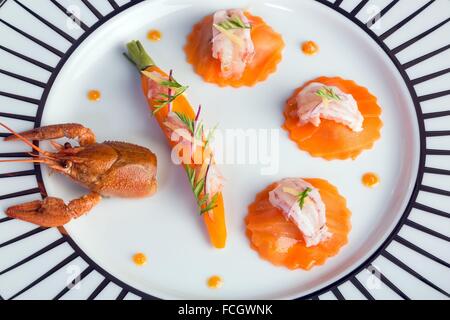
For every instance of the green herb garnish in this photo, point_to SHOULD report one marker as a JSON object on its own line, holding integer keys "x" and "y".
{"x": 233, "y": 23}
{"x": 197, "y": 187}
{"x": 211, "y": 205}
{"x": 191, "y": 174}
{"x": 195, "y": 130}
{"x": 187, "y": 121}
{"x": 302, "y": 196}
{"x": 327, "y": 94}
{"x": 171, "y": 84}
{"x": 168, "y": 99}
{"x": 210, "y": 135}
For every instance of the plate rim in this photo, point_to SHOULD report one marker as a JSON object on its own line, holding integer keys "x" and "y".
{"x": 347, "y": 15}
{"x": 334, "y": 6}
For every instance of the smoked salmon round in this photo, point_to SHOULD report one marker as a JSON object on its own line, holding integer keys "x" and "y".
{"x": 268, "y": 53}
{"x": 331, "y": 140}
{"x": 278, "y": 240}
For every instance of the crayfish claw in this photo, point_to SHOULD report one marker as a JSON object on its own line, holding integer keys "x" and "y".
{"x": 50, "y": 212}
{"x": 84, "y": 135}
{"x": 53, "y": 212}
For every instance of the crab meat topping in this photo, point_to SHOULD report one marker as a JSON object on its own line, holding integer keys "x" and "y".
{"x": 308, "y": 215}
{"x": 214, "y": 180}
{"x": 318, "y": 101}
{"x": 154, "y": 88}
{"x": 232, "y": 45}
{"x": 178, "y": 132}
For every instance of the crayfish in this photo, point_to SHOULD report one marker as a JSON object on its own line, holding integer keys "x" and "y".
{"x": 107, "y": 169}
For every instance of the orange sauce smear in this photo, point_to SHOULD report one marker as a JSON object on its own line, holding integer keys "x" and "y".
{"x": 140, "y": 259}
{"x": 154, "y": 35}
{"x": 310, "y": 48}
{"x": 94, "y": 95}
{"x": 215, "y": 282}
{"x": 370, "y": 179}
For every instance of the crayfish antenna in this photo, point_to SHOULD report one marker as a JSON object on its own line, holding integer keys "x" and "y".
{"x": 56, "y": 145}
{"x": 24, "y": 161}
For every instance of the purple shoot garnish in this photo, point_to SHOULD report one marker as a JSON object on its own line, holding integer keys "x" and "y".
{"x": 206, "y": 176}
{"x": 198, "y": 112}
{"x": 170, "y": 91}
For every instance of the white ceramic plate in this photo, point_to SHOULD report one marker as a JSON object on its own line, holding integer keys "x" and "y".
{"x": 398, "y": 246}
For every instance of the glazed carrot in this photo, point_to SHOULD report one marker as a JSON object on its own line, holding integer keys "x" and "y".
{"x": 332, "y": 140}
{"x": 268, "y": 53}
{"x": 214, "y": 219}
{"x": 279, "y": 240}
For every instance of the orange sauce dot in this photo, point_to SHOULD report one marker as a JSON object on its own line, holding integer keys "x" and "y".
{"x": 140, "y": 259}
{"x": 310, "y": 48}
{"x": 215, "y": 282}
{"x": 94, "y": 95}
{"x": 370, "y": 179}
{"x": 154, "y": 35}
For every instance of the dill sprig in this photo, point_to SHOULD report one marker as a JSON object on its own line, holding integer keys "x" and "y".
{"x": 188, "y": 122}
{"x": 327, "y": 94}
{"x": 196, "y": 129}
{"x": 302, "y": 196}
{"x": 178, "y": 90}
{"x": 197, "y": 185}
{"x": 212, "y": 203}
{"x": 171, "y": 84}
{"x": 175, "y": 89}
{"x": 210, "y": 135}
{"x": 234, "y": 22}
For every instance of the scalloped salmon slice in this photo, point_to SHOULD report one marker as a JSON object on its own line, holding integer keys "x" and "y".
{"x": 268, "y": 53}
{"x": 331, "y": 140}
